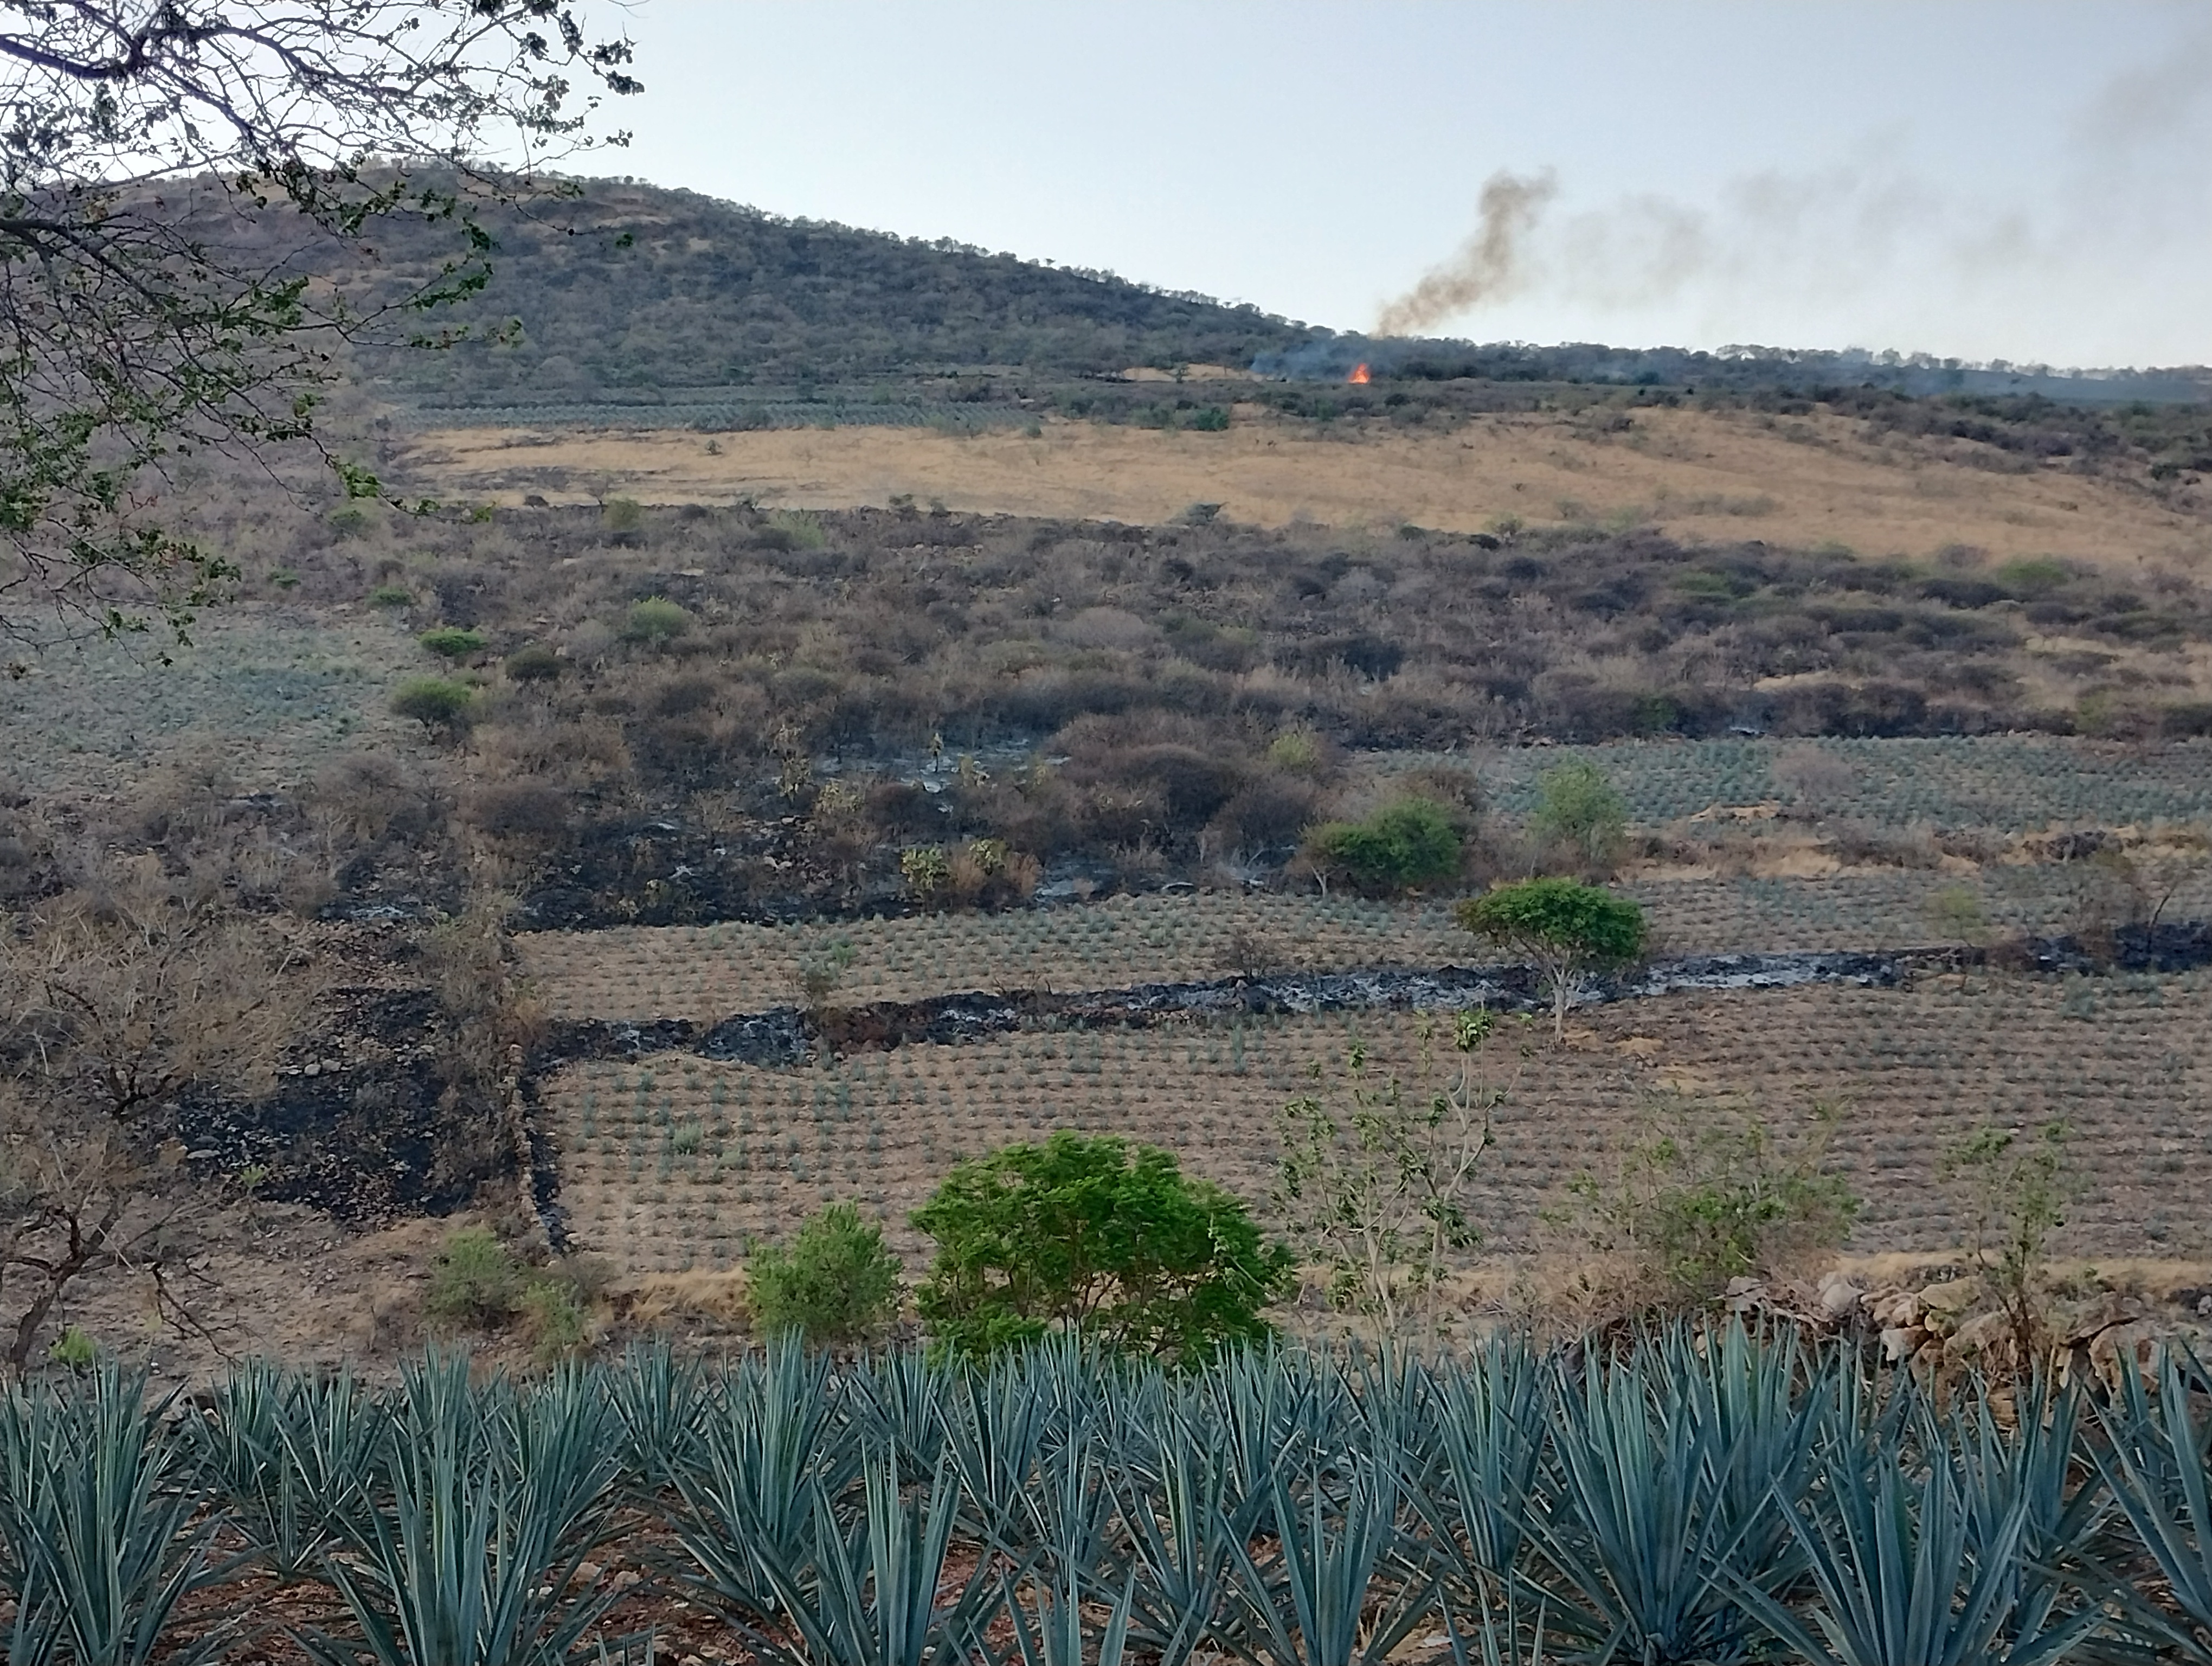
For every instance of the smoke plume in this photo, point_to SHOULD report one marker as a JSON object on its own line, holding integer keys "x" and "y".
{"x": 1486, "y": 263}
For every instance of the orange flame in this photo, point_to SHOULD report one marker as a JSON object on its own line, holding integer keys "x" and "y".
{"x": 1358, "y": 374}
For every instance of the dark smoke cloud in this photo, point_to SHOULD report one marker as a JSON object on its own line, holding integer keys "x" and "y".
{"x": 1487, "y": 265}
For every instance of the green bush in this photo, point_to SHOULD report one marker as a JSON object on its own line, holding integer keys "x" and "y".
{"x": 798, "y": 530}
{"x": 477, "y": 1282}
{"x": 1402, "y": 846}
{"x": 1209, "y": 419}
{"x": 532, "y": 663}
{"x": 453, "y": 641}
{"x": 1296, "y": 752}
{"x": 656, "y": 619}
{"x": 1704, "y": 1194}
{"x": 1581, "y": 818}
{"x": 435, "y": 702}
{"x": 553, "y": 1312}
{"x": 392, "y": 595}
{"x": 622, "y": 515}
{"x": 74, "y": 1350}
{"x": 834, "y": 1282}
{"x": 1100, "y": 1235}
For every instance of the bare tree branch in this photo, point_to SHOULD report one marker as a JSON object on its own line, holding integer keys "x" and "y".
{"x": 181, "y": 182}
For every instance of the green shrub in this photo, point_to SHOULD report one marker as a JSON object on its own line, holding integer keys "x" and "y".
{"x": 453, "y": 641}
{"x": 1402, "y": 846}
{"x": 1209, "y": 419}
{"x": 477, "y": 1282}
{"x": 1100, "y": 1235}
{"x": 532, "y": 663}
{"x": 799, "y": 530}
{"x": 435, "y": 702}
{"x": 2033, "y": 577}
{"x": 392, "y": 595}
{"x": 1705, "y": 1194}
{"x": 553, "y": 1312}
{"x": 622, "y": 515}
{"x": 656, "y": 619}
{"x": 73, "y": 1350}
{"x": 1581, "y": 818}
{"x": 834, "y": 1282}
{"x": 1296, "y": 752}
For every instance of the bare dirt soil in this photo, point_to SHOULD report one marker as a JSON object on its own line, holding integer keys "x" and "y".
{"x": 1718, "y": 477}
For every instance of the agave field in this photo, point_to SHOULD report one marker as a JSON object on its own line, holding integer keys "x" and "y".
{"x": 676, "y": 1161}
{"x": 1692, "y": 1497}
{"x": 710, "y": 972}
{"x": 705, "y": 973}
{"x": 2004, "y": 783}
{"x": 274, "y": 691}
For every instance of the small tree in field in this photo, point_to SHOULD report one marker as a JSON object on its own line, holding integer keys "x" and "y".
{"x": 1581, "y": 819}
{"x": 1568, "y": 928}
{"x": 1373, "y": 1175}
{"x": 1098, "y": 1235}
{"x": 836, "y": 1281}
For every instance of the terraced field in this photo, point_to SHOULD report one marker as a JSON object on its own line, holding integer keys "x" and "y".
{"x": 705, "y": 973}
{"x": 677, "y": 1161}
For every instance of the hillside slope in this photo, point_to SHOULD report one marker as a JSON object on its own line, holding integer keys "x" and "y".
{"x": 633, "y": 293}
{"x": 632, "y": 287}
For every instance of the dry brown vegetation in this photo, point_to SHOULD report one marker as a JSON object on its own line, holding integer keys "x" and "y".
{"x": 740, "y": 720}
{"x": 1716, "y": 477}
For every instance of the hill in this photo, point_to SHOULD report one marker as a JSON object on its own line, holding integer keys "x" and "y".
{"x": 632, "y": 289}
{"x": 632, "y": 296}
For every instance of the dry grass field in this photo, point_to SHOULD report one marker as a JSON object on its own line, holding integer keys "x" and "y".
{"x": 1713, "y": 476}
{"x": 675, "y": 1162}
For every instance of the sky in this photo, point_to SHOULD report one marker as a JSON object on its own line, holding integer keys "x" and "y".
{"x": 2023, "y": 181}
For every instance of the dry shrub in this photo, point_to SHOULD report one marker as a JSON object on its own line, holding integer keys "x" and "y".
{"x": 985, "y": 873}
{"x": 655, "y": 1298}
{"x": 1860, "y": 844}
{"x": 1818, "y": 780}
{"x": 364, "y": 798}
{"x": 527, "y": 812}
{"x": 115, "y": 999}
{"x": 1273, "y": 810}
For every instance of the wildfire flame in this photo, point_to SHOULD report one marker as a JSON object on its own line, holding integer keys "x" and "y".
{"x": 1358, "y": 374}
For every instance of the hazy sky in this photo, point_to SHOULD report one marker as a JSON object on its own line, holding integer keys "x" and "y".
{"x": 2017, "y": 180}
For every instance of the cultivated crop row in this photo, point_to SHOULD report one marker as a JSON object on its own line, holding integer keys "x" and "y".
{"x": 675, "y": 1162}
{"x": 2007, "y": 783}
{"x": 705, "y": 973}
{"x": 1692, "y": 1497}
{"x": 711, "y": 971}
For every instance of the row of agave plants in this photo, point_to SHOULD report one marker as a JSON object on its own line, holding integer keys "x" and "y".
{"x": 1697, "y": 1496}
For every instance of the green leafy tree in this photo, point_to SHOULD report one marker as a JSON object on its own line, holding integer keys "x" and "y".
{"x": 834, "y": 1282}
{"x": 173, "y": 178}
{"x": 1401, "y": 847}
{"x": 438, "y": 703}
{"x": 1098, "y": 1235}
{"x": 1374, "y": 1174}
{"x": 1569, "y": 929}
{"x": 1581, "y": 818}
